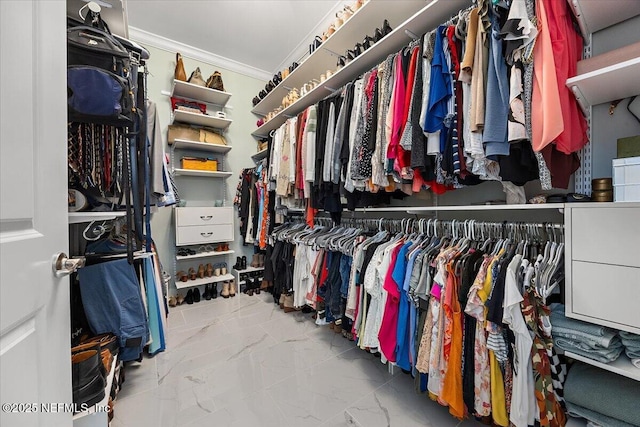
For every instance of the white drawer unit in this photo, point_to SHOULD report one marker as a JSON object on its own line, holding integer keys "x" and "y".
{"x": 603, "y": 264}
{"x": 195, "y": 226}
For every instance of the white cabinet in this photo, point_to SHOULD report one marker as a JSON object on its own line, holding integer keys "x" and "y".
{"x": 603, "y": 264}
{"x": 201, "y": 226}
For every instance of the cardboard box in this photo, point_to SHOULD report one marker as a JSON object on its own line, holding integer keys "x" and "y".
{"x": 200, "y": 164}
{"x": 182, "y": 132}
{"x": 211, "y": 137}
{"x": 628, "y": 147}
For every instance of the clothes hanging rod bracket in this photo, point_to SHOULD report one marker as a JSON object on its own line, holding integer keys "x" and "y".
{"x": 411, "y": 34}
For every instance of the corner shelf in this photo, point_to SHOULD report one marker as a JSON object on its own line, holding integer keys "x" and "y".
{"x": 203, "y": 255}
{"x": 200, "y": 119}
{"x": 203, "y": 146}
{"x": 80, "y": 217}
{"x": 249, "y": 269}
{"x": 204, "y": 281}
{"x": 427, "y": 18}
{"x": 199, "y": 93}
{"x": 595, "y": 15}
{"x": 260, "y": 155}
{"x": 207, "y": 174}
{"x": 93, "y": 410}
{"x": 621, "y": 366}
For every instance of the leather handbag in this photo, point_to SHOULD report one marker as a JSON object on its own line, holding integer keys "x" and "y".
{"x": 196, "y": 78}
{"x": 179, "y": 73}
{"x": 215, "y": 81}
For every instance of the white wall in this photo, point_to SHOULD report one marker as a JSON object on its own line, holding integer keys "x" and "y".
{"x": 203, "y": 191}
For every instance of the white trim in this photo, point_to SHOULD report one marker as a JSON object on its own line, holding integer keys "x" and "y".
{"x": 146, "y": 38}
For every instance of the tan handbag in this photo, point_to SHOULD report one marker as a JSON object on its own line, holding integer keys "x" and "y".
{"x": 196, "y": 78}
{"x": 179, "y": 74}
{"x": 215, "y": 81}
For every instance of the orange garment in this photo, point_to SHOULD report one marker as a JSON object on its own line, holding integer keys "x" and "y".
{"x": 452, "y": 384}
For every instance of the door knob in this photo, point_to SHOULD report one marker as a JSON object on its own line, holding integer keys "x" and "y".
{"x": 63, "y": 266}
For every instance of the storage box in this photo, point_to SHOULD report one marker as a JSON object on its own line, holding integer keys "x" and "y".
{"x": 200, "y": 164}
{"x": 628, "y": 147}
{"x": 626, "y": 179}
{"x": 182, "y": 132}
{"x": 211, "y": 137}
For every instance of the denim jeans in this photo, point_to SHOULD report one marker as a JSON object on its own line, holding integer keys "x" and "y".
{"x": 333, "y": 298}
{"x": 345, "y": 271}
{"x": 113, "y": 303}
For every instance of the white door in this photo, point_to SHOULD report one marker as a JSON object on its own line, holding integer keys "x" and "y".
{"x": 35, "y": 364}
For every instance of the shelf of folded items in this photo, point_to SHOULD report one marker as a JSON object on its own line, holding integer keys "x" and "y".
{"x": 204, "y": 281}
{"x": 429, "y": 17}
{"x": 362, "y": 23}
{"x": 621, "y": 366}
{"x": 207, "y": 254}
{"x": 194, "y": 92}
{"x": 200, "y": 119}
{"x": 202, "y": 146}
{"x": 99, "y": 408}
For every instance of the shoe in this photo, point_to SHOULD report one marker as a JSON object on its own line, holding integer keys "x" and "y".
{"x": 236, "y": 266}
{"x": 216, "y": 270}
{"x": 261, "y": 259}
{"x": 201, "y": 271}
{"x": 208, "y": 270}
{"x": 244, "y": 263}
{"x": 232, "y": 288}
{"x": 196, "y": 295}
{"x": 88, "y": 377}
{"x": 254, "y": 261}
{"x": 225, "y": 290}
{"x": 189, "y": 298}
{"x": 192, "y": 273}
{"x": 182, "y": 276}
{"x": 248, "y": 286}
{"x": 100, "y": 342}
{"x": 262, "y": 94}
{"x": 256, "y": 286}
{"x": 377, "y": 35}
{"x": 172, "y": 301}
{"x": 223, "y": 268}
{"x": 255, "y": 100}
{"x": 207, "y": 293}
{"x": 179, "y": 299}
{"x": 288, "y": 304}
{"x": 368, "y": 42}
{"x": 214, "y": 291}
{"x": 281, "y": 301}
{"x": 386, "y": 28}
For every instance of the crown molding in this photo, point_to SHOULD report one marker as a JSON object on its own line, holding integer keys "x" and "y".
{"x": 146, "y": 38}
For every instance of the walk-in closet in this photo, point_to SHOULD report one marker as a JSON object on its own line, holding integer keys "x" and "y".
{"x": 320, "y": 213}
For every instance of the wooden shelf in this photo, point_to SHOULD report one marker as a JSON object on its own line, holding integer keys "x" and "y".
{"x": 203, "y": 255}
{"x": 200, "y": 119}
{"x": 363, "y": 22}
{"x": 426, "y": 19}
{"x": 594, "y": 15}
{"x": 193, "y": 92}
{"x": 621, "y": 366}
{"x": 607, "y": 84}
{"x": 203, "y": 146}
{"x": 80, "y": 217}
{"x": 98, "y": 408}
{"x": 206, "y": 174}
{"x": 204, "y": 281}
{"x": 260, "y": 155}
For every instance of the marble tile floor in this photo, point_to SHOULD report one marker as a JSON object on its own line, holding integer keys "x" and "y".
{"x": 244, "y": 362}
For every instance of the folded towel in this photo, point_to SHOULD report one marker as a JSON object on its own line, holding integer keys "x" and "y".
{"x": 604, "y": 392}
{"x": 602, "y": 355}
{"x": 628, "y": 336}
{"x": 595, "y": 417}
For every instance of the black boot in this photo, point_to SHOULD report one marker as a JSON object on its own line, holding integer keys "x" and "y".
{"x": 88, "y": 377}
{"x": 189, "y": 298}
{"x": 207, "y": 294}
{"x": 243, "y": 266}
{"x": 196, "y": 295}
{"x": 214, "y": 291}
{"x": 238, "y": 264}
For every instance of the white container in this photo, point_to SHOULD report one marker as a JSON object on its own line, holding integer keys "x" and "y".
{"x": 626, "y": 179}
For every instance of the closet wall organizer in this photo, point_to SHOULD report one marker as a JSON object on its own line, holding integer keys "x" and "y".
{"x": 116, "y": 171}
{"x": 423, "y": 119}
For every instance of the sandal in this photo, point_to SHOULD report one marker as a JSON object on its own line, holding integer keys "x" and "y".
{"x": 182, "y": 276}
{"x": 192, "y": 273}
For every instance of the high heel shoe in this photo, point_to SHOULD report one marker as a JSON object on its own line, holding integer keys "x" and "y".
{"x": 386, "y": 28}
{"x": 192, "y": 273}
{"x": 201, "y": 271}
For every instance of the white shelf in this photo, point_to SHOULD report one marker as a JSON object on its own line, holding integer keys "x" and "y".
{"x": 208, "y": 174}
{"x": 200, "y": 119}
{"x": 203, "y": 255}
{"x": 426, "y": 19}
{"x": 193, "y": 92}
{"x": 80, "y": 217}
{"x": 203, "y": 281}
{"x": 621, "y": 366}
{"x": 260, "y": 155}
{"x": 594, "y": 15}
{"x": 107, "y": 391}
{"x": 203, "y": 146}
{"x": 607, "y": 84}
{"x": 250, "y": 269}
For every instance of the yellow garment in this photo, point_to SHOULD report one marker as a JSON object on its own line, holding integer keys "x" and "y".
{"x": 498, "y": 399}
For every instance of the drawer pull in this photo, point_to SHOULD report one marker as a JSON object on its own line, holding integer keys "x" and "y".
{"x": 206, "y": 218}
{"x": 209, "y": 234}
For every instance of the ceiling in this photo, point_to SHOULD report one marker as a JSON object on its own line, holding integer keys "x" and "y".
{"x": 259, "y": 33}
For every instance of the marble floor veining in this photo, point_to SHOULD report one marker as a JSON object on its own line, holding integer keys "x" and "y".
{"x": 244, "y": 362}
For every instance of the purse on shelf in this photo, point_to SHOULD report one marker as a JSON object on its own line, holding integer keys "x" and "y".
{"x": 196, "y": 78}
{"x": 215, "y": 81}
{"x": 179, "y": 73}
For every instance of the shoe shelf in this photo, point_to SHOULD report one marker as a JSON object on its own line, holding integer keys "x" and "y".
{"x": 204, "y": 281}
{"x": 202, "y": 146}
{"x": 260, "y": 155}
{"x": 249, "y": 269}
{"x": 203, "y": 255}
{"x": 97, "y": 415}
{"x": 363, "y": 22}
{"x": 429, "y": 17}
{"x": 200, "y": 119}
{"x": 193, "y": 92}
{"x": 207, "y": 174}
{"x": 593, "y": 15}
{"x": 80, "y": 217}
{"x": 621, "y": 366}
